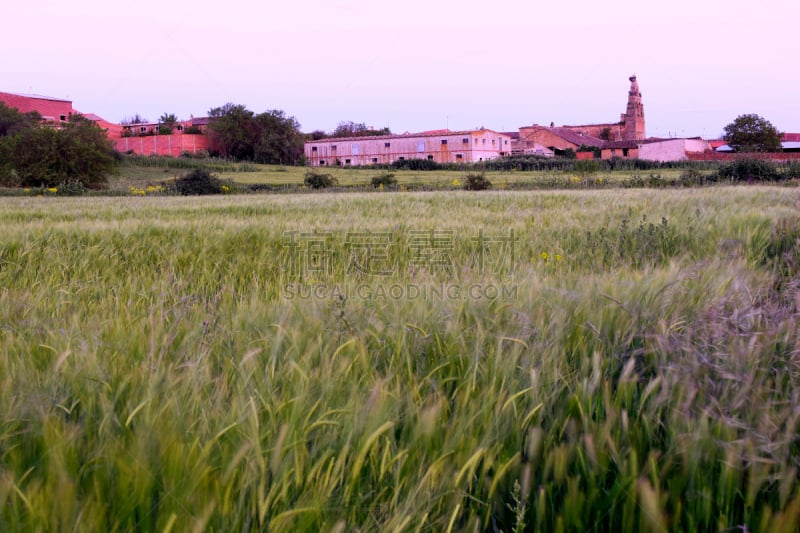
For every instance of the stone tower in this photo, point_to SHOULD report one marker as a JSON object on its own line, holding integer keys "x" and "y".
{"x": 633, "y": 119}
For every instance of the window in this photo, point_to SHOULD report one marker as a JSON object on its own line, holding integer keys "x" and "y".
{"x": 313, "y": 148}
{"x": 321, "y": 162}
{"x": 484, "y": 141}
{"x": 374, "y": 159}
{"x": 505, "y": 142}
{"x": 459, "y": 156}
{"x": 444, "y": 141}
{"x": 180, "y": 128}
{"x": 143, "y": 128}
{"x": 401, "y": 158}
{"x": 387, "y": 145}
{"x": 63, "y": 118}
{"x": 333, "y": 147}
{"x": 420, "y": 146}
{"x": 465, "y": 140}
{"x": 430, "y": 158}
{"x": 624, "y": 152}
{"x": 346, "y": 161}
{"x": 492, "y": 141}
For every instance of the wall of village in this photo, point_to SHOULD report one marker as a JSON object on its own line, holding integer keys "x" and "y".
{"x": 672, "y": 149}
{"x": 170, "y": 145}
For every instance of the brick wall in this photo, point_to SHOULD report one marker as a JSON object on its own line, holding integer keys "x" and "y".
{"x": 172, "y": 145}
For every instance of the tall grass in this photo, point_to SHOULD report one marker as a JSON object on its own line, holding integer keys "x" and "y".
{"x": 156, "y": 374}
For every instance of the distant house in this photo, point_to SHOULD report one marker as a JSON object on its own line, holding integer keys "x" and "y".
{"x": 52, "y": 110}
{"x": 555, "y": 140}
{"x": 442, "y": 146}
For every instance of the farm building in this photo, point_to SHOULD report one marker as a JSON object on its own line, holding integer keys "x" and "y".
{"x": 556, "y": 140}
{"x": 52, "y": 110}
{"x": 442, "y": 146}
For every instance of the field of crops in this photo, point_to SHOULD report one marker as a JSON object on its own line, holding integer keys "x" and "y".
{"x": 610, "y": 360}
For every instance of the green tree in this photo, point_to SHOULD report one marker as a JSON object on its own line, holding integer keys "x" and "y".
{"x": 279, "y": 139}
{"x": 357, "y": 129}
{"x": 46, "y": 157}
{"x": 168, "y": 119}
{"x": 232, "y": 131}
{"x": 166, "y": 123}
{"x": 752, "y": 133}
{"x": 12, "y": 121}
{"x": 269, "y": 137}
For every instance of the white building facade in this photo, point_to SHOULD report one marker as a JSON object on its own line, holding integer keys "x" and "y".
{"x": 441, "y": 146}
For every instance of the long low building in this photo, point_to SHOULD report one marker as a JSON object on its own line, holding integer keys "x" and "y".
{"x": 442, "y": 146}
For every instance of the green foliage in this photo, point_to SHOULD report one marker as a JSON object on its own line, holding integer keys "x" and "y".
{"x": 279, "y": 140}
{"x": 752, "y": 133}
{"x": 792, "y": 170}
{"x": 12, "y": 121}
{"x": 168, "y": 119}
{"x": 164, "y": 130}
{"x": 38, "y": 156}
{"x": 71, "y": 188}
{"x": 271, "y": 137}
{"x": 749, "y": 170}
{"x": 353, "y": 129}
{"x": 318, "y": 180}
{"x": 605, "y": 134}
{"x": 596, "y": 151}
{"x": 476, "y": 182}
{"x": 198, "y": 182}
{"x": 586, "y": 167}
{"x": 385, "y": 180}
{"x": 415, "y": 164}
{"x": 192, "y": 130}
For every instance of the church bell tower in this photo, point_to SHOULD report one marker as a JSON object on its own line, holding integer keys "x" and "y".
{"x": 633, "y": 119}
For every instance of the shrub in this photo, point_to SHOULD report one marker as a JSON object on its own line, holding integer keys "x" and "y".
{"x": 317, "y": 180}
{"x": 387, "y": 180}
{"x": 792, "y": 170}
{"x": 72, "y": 188}
{"x": 164, "y": 130}
{"x": 749, "y": 170}
{"x": 198, "y": 181}
{"x": 416, "y": 164}
{"x": 476, "y": 182}
{"x": 693, "y": 177}
{"x": 586, "y": 167}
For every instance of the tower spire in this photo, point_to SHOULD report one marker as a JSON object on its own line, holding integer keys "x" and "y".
{"x": 633, "y": 128}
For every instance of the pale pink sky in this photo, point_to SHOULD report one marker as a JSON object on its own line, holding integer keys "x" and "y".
{"x": 413, "y": 65}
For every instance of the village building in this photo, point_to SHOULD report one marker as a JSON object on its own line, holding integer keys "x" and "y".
{"x": 617, "y": 137}
{"x": 143, "y": 139}
{"x": 51, "y": 110}
{"x": 441, "y": 146}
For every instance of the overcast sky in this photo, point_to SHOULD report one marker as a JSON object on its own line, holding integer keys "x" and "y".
{"x": 413, "y": 65}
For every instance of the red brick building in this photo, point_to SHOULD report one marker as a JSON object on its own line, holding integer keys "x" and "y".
{"x": 52, "y": 110}
{"x": 143, "y": 139}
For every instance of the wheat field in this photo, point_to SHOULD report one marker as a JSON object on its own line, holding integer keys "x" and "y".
{"x": 610, "y": 360}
